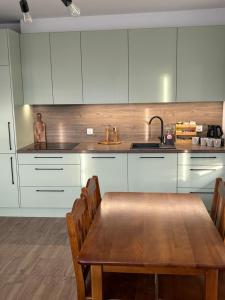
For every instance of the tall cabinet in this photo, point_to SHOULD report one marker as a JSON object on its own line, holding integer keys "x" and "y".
{"x": 11, "y": 89}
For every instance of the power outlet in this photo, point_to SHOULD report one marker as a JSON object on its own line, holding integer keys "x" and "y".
{"x": 199, "y": 128}
{"x": 90, "y": 131}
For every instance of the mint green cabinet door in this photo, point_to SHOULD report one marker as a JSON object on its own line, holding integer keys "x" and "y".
{"x": 152, "y": 65}
{"x": 7, "y": 142}
{"x": 4, "y": 57}
{"x": 36, "y": 68}
{"x": 105, "y": 66}
{"x": 15, "y": 66}
{"x": 151, "y": 172}
{"x": 205, "y": 194}
{"x": 201, "y": 63}
{"x": 66, "y": 67}
{"x": 110, "y": 168}
{"x": 8, "y": 181}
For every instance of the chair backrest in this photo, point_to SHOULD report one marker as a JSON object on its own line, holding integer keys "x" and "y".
{"x": 215, "y": 203}
{"x": 78, "y": 224}
{"x": 93, "y": 195}
{"x": 220, "y": 217}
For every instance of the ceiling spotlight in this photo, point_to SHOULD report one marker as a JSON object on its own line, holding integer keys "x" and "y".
{"x": 25, "y": 10}
{"x": 73, "y": 9}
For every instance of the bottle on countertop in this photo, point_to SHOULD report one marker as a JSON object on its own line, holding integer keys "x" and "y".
{"x": 39, "y": 129}
{"x": 169, "y": 136}
{"x": 115, "y": 135}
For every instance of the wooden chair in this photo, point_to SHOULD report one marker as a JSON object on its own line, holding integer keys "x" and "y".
{"x": 117, "y": 286}
{"x": 93, "y": 195}
{"x": 215, "y": 200}
{"x": 78, "y": 223}
{"x": 220, "y": 215}
{"x": 191, "y": 287}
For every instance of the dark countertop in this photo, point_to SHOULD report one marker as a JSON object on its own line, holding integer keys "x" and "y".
{"x": 125, "y": 147}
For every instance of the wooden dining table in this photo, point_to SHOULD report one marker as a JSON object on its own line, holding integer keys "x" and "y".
{"x": 155, "y": 233}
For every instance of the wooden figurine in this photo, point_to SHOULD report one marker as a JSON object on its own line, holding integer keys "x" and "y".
{"x": 39, "y": 130}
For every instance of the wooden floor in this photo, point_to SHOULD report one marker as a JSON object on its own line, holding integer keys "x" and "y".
{"x": 35, "y": 261}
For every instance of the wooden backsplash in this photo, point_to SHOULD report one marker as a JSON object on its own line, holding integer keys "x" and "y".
{"x": 69, "y": 122}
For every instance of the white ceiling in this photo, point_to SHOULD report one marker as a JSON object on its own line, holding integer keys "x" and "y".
{"x": 10, "y": 10}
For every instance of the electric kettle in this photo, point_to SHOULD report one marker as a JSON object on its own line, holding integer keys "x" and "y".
{"x": 214, "y": 131}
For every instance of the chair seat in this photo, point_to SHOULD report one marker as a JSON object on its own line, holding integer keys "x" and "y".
{"x": 120, "y": 286}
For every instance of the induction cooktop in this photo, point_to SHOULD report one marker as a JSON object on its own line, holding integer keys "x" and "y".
{"x": 53, "y": 146}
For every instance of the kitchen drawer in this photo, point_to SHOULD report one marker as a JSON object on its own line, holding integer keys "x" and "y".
{"x": 205, "y": 194}
{"x": 49, "y": 175}
{"x": 152, "y": 172}
{"x": 48, "y": 158}
{"x": 111, "y": 169}
{"x": 204, "y": 159}
{"x": 199, "y": 176}
{"x": 42, "y": 197}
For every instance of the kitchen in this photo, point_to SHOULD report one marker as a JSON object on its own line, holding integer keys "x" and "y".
{"x": 77, "y": 97}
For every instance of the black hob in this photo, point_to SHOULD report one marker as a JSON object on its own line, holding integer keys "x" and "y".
{"x": 53, "y": 146}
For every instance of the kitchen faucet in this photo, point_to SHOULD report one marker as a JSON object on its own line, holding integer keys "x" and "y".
{"x": 162, "y": 126}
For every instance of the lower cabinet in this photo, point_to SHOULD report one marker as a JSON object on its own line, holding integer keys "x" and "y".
{"x": 110, "y": 168}
{"x": 201, "y": 176}
{"x": 8, "y": 181}
{"x": 49, "y": 197}
{"x": 49, "y": 175}
{"x": 197, "y": 173}
{"x": 151, "y": 172}
{"x": 55, "y": 180}
{"x": 49, "y": 181}
{"x": 205, "y": 194}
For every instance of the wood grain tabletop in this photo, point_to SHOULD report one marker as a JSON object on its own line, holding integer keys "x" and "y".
{"x": 153, "y": 229}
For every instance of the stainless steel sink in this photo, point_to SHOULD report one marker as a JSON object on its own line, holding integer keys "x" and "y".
{"x": 141, "y": 146}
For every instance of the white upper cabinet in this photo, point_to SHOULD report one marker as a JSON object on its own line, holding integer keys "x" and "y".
{"x": 4, "y": 56}
{"x": 201, "y": 63}
{"x": 152, "y": 65}
{"x": 105, "y": 66}
{"x": 66, "y": 67}
{"x": 36, "y": 68}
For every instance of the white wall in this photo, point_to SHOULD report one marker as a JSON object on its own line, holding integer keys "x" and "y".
{"x": 141, "y": 20}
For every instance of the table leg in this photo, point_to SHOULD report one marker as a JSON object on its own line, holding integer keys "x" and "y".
{"x": 211, "y": 285}
{"x": 96, "y": 282}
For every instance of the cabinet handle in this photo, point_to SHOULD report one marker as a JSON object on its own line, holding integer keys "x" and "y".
{"x": 49, "y": 169}
{"x": 48, "y": 157}
{"x": 203, "y": 157}
{"x": 152, "y": 157}
{"x": 10, "y": 140}
{"x": 50, "y": 191}
{"x": 12, "y": 172}
{"x": 96, "y": 157}
{"x": 205, "y": 193}
{"x": 202, "y": 169}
